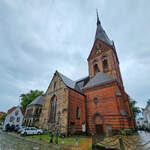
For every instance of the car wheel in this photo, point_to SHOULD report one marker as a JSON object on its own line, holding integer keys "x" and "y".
{"x": 39, "y": 133}
{"x": 25, "y": 134}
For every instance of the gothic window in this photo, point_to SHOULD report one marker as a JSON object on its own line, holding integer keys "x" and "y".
{"x": 77, "y": 113}
{"x": 37, "y": 111}
{"x": 105, "y": 63}
{"x": 53, "y": 109}
{"x": 96, "y": 69}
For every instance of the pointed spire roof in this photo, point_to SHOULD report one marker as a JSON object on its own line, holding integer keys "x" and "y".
{"x": 101, "y": 34}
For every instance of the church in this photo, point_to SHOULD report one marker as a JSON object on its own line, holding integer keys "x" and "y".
{"x": 95, "y": 104}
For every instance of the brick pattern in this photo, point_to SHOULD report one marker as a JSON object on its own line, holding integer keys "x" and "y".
{"x": 108, "y": 106}
{"x": 112, "y": 59}
{"x": 76, "y": 100}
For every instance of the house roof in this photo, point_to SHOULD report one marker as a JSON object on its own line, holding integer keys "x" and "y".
{"x": 37, "y": 101}
{"x": 101, "y": 34}
{"x": 11, "y": 109}
{"x": 99, "y": 78}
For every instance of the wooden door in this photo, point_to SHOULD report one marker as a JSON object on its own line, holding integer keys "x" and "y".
{"x": 99, "y": 129}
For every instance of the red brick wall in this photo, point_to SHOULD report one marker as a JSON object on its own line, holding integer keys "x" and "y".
{"x": 108, "y": 106}
{"x": 76, "y": 99}
{"x": 112, "y": 59}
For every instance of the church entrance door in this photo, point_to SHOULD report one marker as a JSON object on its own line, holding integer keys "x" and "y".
{"x": 99, "y": 129}
{"x": 98, "y": 121}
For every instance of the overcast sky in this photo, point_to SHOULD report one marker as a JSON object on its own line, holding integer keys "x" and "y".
{"x": 38, "y": 37}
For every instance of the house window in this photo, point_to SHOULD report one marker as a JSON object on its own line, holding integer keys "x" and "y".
{"x": 105, "y": 63}
{"x": 12, "y": 119}
{"x": 16, "y": 113}
{"x": 96, "y": 69}
{"x": 18, "y": 119}
{"x": 77, "y": 113}
{"x": 53, "y": 109}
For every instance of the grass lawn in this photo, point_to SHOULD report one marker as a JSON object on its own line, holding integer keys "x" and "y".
{"x": 67, "y": 140}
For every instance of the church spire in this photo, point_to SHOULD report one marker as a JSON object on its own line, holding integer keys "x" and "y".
{"x": 100, "y": 33}
{"x": 98, "y": 21}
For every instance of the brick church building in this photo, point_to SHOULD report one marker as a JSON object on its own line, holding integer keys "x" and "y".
{"x": 97, "y": 103}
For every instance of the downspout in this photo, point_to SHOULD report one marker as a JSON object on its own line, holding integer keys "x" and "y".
{"x": 86, "y": 115}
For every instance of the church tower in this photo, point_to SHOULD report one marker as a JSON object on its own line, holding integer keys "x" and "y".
{"x": 103, "y": 57}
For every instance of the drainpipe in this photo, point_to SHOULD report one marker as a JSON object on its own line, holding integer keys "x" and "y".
{"x": 86, "y": 115}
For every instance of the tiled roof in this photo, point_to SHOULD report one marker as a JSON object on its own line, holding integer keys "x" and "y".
{"x": 99, "y": 78}
{"x": 38, "y": 100}
{"x": 11, "y": 109}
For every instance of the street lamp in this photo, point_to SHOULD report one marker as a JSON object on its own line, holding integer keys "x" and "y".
{"x": 57, "y": 127}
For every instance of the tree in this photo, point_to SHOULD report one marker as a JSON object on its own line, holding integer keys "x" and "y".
{"x": 26, "y": 99}
{"x": 2, "y": 118}
{"x": 136, "y": 110}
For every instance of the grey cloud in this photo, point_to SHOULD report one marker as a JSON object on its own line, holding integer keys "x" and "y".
{"x": 38, "y": 37}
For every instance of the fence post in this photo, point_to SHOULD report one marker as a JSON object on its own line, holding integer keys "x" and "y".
{"x": 121, "y": 144}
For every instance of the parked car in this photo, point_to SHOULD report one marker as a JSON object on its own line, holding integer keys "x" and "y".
{"x": 21, "y": 128}
{"x": 31, "y": 131}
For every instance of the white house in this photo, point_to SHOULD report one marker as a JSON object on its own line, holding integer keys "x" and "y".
{"x": 146, "y": 114}
{"x": 140, "y": 122}
{"x": 14, "y": 117}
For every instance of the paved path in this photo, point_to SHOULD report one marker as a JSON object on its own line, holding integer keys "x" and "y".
{"x": 9, "y": 142}
{"x": 144, "y": 139}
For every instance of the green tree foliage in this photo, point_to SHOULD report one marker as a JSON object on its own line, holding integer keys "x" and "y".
{"x": 26, "y": 99}
{"x": 2, "y": 118}
{"x": 136, "y": 110}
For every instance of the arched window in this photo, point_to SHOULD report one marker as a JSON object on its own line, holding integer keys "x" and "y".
{"x": 105, "y": 63}
{"x": 53, "y": 109}
{"x": 77, "y": 113}
{"x": 96, "y": 69}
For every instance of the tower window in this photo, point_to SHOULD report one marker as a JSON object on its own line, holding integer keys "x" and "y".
{"x": 105, "y": 63}
{"x": 96, "y": 69}
{"x": 77, "y": 113}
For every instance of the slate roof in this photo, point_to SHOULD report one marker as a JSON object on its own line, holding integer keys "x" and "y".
{"x": 81, "y": 82}
{"x": 101, "y": 34}
{"x": 38, "y": 101}
{"x": 99, "y": 78}
{"x": 70, "y": 83}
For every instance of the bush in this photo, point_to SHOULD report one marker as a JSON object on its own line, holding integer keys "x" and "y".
{"x": 128, "y": 132}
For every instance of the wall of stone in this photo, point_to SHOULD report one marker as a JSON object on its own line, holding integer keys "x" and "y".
{"x": 56, "y": 88}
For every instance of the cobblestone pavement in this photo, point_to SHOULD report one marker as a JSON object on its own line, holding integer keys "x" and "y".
{"x": 8, "y": 142}
{"x": 144, "y": 141}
